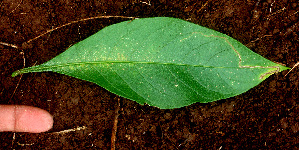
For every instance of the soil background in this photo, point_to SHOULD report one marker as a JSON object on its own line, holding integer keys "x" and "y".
{"x": 265, "y": 117}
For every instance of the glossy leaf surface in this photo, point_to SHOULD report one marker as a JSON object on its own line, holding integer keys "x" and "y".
{"x": 164, "y": 62}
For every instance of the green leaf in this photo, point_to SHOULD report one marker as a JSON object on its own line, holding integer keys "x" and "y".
{"x": 164, "y": 62}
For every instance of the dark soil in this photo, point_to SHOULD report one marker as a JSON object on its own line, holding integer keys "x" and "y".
{"x": 265, "y": 117}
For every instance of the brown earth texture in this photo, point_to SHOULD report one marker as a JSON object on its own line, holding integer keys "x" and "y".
{"x": 265, "y": 117}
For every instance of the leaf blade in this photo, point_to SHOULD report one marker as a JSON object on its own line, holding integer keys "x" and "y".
{"x": 190, "y": 64}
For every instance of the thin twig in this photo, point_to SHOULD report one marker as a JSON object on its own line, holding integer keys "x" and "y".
{"x": 114, "y": 128}
{"x": 16, "y": 7}
{"x": 24, "y": 64}
{"x": 85, "y": 19}
{"x": 292, "y": 68}
{"x": 70, "y": 130}
{"x": 277, "y": 12}
{"x": 81, "y": 20}
{"x": 204, "y": 5}
{"x": 10, "y": 45}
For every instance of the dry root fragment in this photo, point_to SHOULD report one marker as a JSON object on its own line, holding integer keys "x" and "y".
{"x": 292, "y": 68}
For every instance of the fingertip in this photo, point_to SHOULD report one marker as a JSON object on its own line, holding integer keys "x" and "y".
{"x": 20, "y": 118}
{"x": 32, "y": 119}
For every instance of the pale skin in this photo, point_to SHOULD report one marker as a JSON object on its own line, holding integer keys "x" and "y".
{"x": 21, "y": 118}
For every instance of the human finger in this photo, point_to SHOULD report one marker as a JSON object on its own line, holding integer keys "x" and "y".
{"x": 21, "y": 118}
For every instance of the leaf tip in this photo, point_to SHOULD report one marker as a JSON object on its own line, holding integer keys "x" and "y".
{"x": 18, "y": 72}
{"x": 270, "y": 72}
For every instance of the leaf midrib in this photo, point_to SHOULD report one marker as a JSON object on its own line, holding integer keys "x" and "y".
{"x": 46, "y": 67}
{"x": 126, "y": 62}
